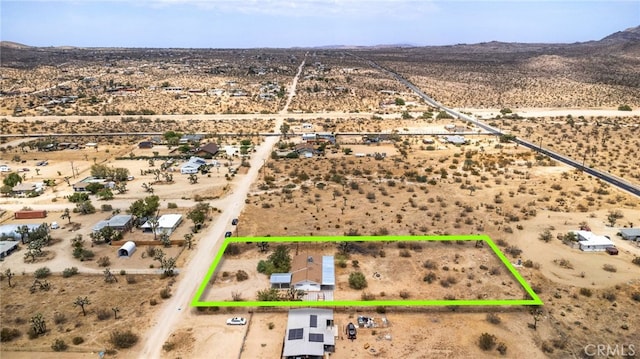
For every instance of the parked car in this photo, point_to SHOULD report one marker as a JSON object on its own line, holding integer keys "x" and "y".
{"x": 236, "y": 321}
{"x": 234, "y": 221}
{"x": 227, "y": 234}
{"x": 351, "y": 331}
{"x": 612, "y": 251}
{"x": 54, "y": 225}
{"x": 42, "y": 163}
{"x": 5, "y": 168}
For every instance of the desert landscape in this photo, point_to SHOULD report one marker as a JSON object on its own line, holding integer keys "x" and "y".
{"x": 319, "y": 142}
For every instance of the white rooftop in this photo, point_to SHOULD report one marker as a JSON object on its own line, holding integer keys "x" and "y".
{"x": 587, "y": 238}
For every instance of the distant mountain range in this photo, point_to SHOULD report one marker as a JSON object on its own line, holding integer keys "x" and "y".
{"x": 627, "y": 41}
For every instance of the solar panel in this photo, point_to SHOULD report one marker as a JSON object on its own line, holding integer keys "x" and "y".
{"x": 316, "y": 337}
{"x": 295, "y": 334}
{"x": 313, "y": 321}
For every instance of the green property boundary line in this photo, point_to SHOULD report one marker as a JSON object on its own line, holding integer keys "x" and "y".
{"x": 535, "y": 300}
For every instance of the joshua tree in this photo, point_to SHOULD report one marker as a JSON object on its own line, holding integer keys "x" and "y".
{"x": 9, "y": 274}
{"x": 38, "y": 324}
{"x": 537, "y": 315}
{"x": 115, "y": 312}
{"x": 23, "y": 231}
{"x": 108, "y": 276}
{"x": 188, "y": 240}
{"x": 81, "y": 302}
{"x": 193, "y": 178}
{"x": 66, "y": 214}
{"x": 263, "y": 246}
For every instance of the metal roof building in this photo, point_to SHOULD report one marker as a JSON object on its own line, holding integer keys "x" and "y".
{"x": 6, "y": 247}
{"x": 630, "y": 233}
{"x": 166, "y": 223}
{"x": 120, "y": 222}
{"x": 310, "y": 334}
{"x": 280, "y": 280}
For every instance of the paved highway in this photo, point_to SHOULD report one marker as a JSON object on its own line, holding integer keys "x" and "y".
{"x": 605, "y": 176}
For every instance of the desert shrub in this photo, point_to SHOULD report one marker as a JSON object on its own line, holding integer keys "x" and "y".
{"x": 484, "y": 267}
{"x": 123, "y": 272}
{"x": 59, "y": 345}
{"x": 104, "y": 261}
{"x": 172, "y": 205}
{"x": 405, "y": 253}
{"x": 168, "y": 346}
{"x": 153, "y": 301}
{"x": 367, "y": 296}
{"x": 494, "y": 271}
{"x": 636, "y": 260}
{"x": 106, "y": 207}
{"x": 271, "y": 325}
{"x": 42, "y": 272}
{"x": 501, "y": 242}
{"x": 8, "y": 334}
{"x": 586, "y": 292}
{"x": 241, "y": 275}
{"x": 404, "y": 294}
{"x": 429, "y": 277}
{"x": 430, "y": 264}
{"x": 514, "y": 251}
{"x": 528, "y": 263}
{"x": 232, "y": 249}
{"x": 165, "y": 293}
{"x": 77, "y": 340}
{"x": 103, "y": 314}
{"x": 381, "y": 310}
{"x": 68, "y": 272}
{"x": 59, "y": 318}
{"x": 123, "y": 339}
{"x": 493, "y": 318}
{"x": 635, "y": 296}
{"x": 610, "y": 296}
{"x": 357, "y": 280}
{"x": 624, "y": 108}
{"x": 131, "y": 279}
{"x": 545, "y": 235}
{"x": 502, "y": 348}
{"x": 609, "y": 268}
{"x": 487, "y": 341}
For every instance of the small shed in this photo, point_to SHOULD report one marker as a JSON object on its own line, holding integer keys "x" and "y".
{"x": 127, "y": 249}
{"x": 280, "y": 280}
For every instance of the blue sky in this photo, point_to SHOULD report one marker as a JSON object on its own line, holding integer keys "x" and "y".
{"x": 280, "y": 23}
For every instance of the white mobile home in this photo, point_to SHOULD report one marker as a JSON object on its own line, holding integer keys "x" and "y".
{"x": 590, "y": 242}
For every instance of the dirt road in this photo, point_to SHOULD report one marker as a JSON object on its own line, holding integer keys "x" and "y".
{"x": 197, "y": 268}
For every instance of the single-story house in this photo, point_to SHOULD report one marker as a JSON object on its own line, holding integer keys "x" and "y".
{"x": 6, "y": 247}
{"x": 145, "y": 144}
{"x": 455, "y": 139}
{"x": 190, "y": 138}
{"x": 590, "y": 242}
{"x": 27, "y": 187}
{"x": 209, "y": 150}
{"x": 313, "y": 273}
{"x": 119, "y": 222}
{"x": 82, "y": 185}
{"x": 311, "y": 333}
{"x": 127, "y": 249}
{"x": 192, "y": 165}
{"x": 632, "y": 234}
{"x": 305, "y": 149}
{"x": 166, "y": 223}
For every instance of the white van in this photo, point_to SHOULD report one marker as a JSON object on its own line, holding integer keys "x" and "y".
{"x": 54, "y": 225}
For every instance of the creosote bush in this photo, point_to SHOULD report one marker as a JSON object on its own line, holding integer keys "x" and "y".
{"x": 487, "y": 341}
{"x": 123, "y": 339}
